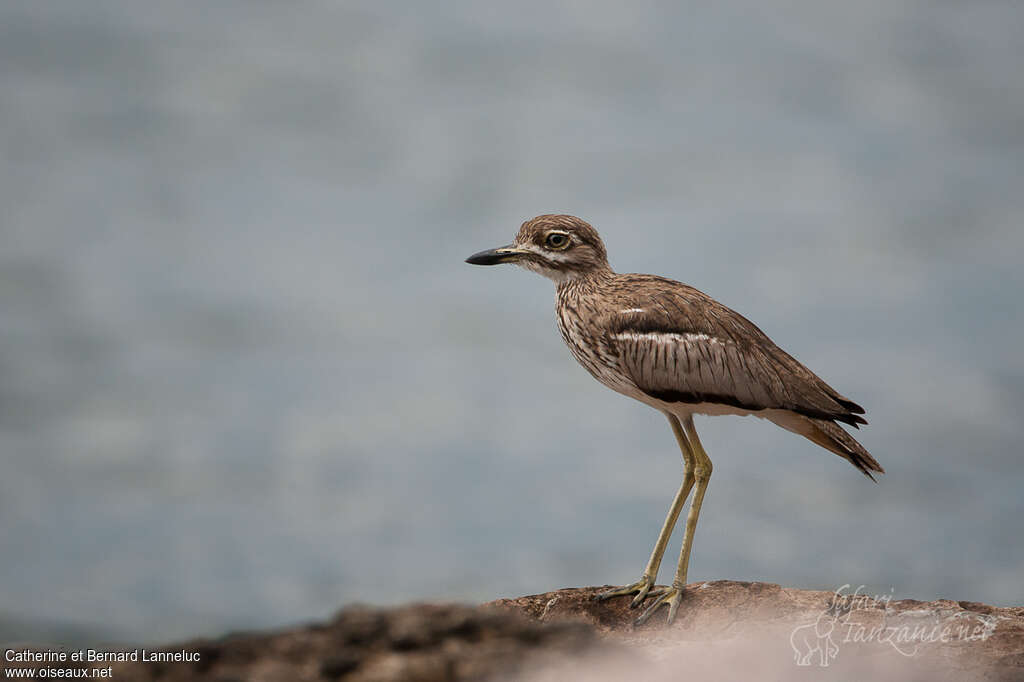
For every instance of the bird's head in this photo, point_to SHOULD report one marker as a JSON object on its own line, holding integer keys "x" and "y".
{"x": 560, "y": 247}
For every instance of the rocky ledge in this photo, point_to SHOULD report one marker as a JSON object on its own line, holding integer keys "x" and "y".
{"x": 725, "y": 630}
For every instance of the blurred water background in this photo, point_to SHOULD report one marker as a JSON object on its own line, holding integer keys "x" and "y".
{"x": 245, "y": 376}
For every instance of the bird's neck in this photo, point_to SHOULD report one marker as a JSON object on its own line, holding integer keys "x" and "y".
{"x": 591, "y": 279}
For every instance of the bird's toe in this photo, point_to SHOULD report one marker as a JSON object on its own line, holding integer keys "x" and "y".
{"x": 671, "y": 596}
{"x": 640, "y": 588}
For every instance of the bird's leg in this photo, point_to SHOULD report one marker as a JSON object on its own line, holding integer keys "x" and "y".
{"x": 646, "y": 582}
{"x": 702, "y": 473}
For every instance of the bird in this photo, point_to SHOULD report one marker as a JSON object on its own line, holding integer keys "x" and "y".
{"x": 676, "y": 349}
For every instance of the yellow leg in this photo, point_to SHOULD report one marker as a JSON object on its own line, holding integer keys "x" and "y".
{"x": 650, "y": 574}
{"x": 702, "y": 473}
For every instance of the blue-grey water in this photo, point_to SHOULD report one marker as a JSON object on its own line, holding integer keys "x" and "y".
{"x": 245, "y": 376}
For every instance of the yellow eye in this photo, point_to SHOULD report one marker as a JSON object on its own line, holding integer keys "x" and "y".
{"x": 556, "y": 240}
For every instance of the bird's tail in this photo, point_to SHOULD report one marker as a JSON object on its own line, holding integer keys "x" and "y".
{"x": 832, "y": 437}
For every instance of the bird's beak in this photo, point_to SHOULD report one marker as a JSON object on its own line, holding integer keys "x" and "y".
{"x": 502, "y": 254}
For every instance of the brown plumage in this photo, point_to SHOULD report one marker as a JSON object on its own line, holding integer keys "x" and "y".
{"x": 679, "y": 350}
{"x": 678, "y": 345}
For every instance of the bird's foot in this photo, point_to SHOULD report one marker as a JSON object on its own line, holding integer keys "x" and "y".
{"x": 640, "y": 588}
{"x": 665, "y": 595}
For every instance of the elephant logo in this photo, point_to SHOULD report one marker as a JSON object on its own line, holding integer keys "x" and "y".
{"x": 815, "y": 638}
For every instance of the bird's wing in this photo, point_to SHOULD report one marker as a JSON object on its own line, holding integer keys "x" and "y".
{"x": 679, "y": 345}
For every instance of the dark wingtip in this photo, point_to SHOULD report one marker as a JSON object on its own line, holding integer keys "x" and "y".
{"x": 850, "y": 405}
{"x": 852, "y": 419}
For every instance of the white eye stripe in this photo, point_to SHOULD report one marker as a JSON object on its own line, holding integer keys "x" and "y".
{"x": 547, "y": 254}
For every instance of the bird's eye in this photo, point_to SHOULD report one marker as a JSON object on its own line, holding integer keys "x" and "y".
{"x": 556, "y": 240}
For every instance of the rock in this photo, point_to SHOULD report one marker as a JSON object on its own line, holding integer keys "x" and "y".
{"x": 725, "y": 630}
{"x": 417, "y": 643}
{"x": 739, "y": 630}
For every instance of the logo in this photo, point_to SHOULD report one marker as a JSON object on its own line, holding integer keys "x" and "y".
{"x": 857, "y": 618}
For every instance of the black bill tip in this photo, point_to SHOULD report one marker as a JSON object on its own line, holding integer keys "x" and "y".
{"x": 503, "y": 254}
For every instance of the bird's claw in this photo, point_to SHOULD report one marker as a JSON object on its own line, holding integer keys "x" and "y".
{"x": 641, "y": 588}
{"x": 666, "y": 595}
